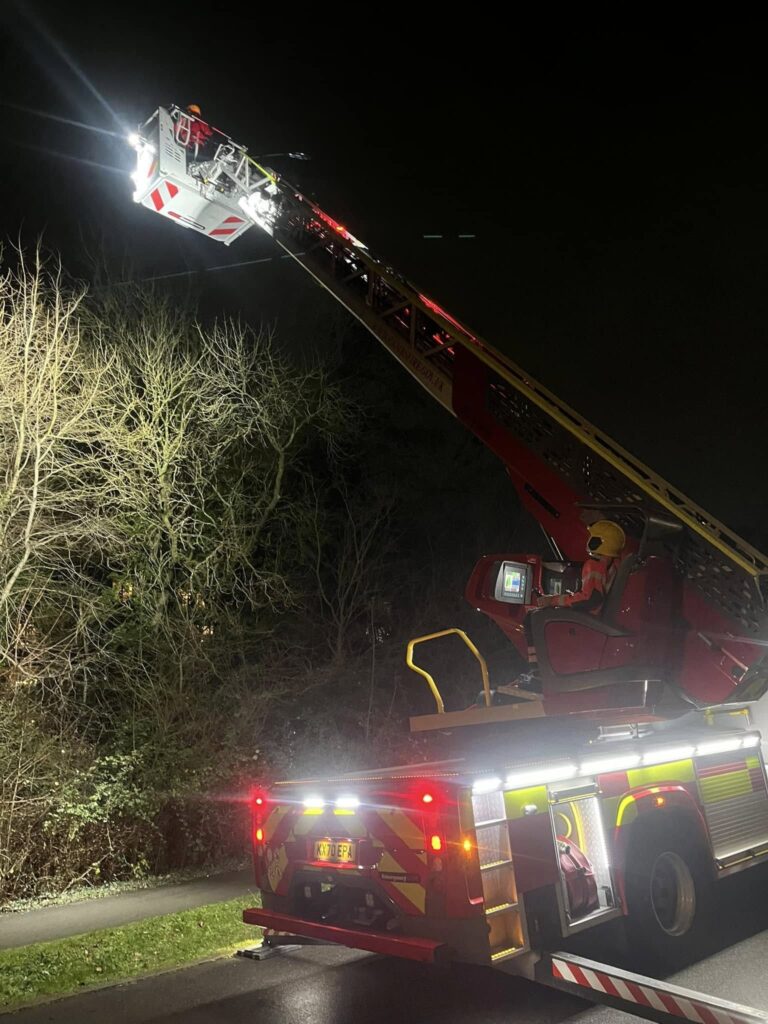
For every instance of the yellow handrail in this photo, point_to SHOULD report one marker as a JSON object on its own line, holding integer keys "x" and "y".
{"x": 426, "y": 675}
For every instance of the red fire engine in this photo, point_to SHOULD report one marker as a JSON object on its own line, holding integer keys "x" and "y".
{"x": 631, "y": 783}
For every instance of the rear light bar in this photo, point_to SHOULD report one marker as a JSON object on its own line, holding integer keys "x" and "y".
{"x": 315, "y": 802}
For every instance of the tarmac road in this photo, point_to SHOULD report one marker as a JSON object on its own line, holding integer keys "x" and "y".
{"x": 326, "y": 985}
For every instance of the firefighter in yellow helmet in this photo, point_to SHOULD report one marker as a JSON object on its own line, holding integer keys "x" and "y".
{"x": 604, "y": 547}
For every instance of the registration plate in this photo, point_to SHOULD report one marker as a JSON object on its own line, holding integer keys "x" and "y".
{"x": 339, "y": 851}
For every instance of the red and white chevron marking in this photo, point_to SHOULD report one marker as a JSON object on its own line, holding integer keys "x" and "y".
{"x": 663, "y": 999}
{"x": 158, "y": 198}
{"x": 223, "y": 230}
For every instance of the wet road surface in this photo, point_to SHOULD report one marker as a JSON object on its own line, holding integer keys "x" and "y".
{"x": 319, "y": 985}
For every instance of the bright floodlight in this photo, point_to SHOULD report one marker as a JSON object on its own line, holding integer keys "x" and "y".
{"x": 134, "y": 139}
{"x": 348, "y": 802}
{"x": 487, "y": 785}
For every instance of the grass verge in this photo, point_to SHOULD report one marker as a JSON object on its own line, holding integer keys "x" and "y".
{"x": 60, "y": 967}
{"x": 55, "y": 897}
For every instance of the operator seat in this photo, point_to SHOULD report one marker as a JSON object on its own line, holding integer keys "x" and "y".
{"x": 578, "y": 650}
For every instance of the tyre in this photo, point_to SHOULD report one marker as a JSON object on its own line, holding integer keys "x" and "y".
{"x": 668, "y": 889}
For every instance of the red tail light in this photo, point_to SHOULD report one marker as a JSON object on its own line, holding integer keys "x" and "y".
{"x": 427, "y": 798}
{"x": 260, "y": 811}
{"x": 259, "y": 808}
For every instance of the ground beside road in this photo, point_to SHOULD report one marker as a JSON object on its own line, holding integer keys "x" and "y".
{"x": 61, "y": 967}
{"x": 58, "y": 921}
{"x": 55, "y": 950}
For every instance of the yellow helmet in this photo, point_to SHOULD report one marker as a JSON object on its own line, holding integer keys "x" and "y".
{"x": 193, "y": 109}
{"x": 606, "y": 539}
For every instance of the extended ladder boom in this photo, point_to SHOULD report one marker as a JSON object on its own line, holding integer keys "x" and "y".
{"x": 557, "y": 458}
{"x": 558, "y": 461}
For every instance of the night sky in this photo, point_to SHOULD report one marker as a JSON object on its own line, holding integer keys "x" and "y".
{"x": 615, "y": 185}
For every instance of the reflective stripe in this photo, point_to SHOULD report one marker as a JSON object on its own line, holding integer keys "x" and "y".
{"x": 660, "y": 996}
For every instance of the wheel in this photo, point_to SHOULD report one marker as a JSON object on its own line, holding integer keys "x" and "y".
{"x": 668, "y": 891}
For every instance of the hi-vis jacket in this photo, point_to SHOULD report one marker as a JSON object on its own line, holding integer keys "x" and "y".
{"x": 596, "y": 578}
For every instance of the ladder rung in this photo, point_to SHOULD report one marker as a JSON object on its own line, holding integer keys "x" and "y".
{"x": 501, "y": 908}
{"x": 491, "y": 821}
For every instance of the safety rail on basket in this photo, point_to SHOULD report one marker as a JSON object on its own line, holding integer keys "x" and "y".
{"x": 430, "y": 679}
{"x": 183, "y": 127}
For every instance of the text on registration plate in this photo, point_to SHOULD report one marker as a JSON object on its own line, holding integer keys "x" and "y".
{"x": 339, "y": 850}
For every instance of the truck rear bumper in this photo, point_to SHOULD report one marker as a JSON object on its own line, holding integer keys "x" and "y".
{"x": 407, "y": 947}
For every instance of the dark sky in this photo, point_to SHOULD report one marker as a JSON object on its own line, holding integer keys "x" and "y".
{"x": 615, "y": 182}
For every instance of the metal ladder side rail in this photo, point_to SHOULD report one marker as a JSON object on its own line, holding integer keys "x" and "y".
{"x": 751, "y": 561}
{"x": 394, "y": 333}
{"x": 427, "y": 352}
{"x": 649, "y": 998}
{"x": 732, "y": 550}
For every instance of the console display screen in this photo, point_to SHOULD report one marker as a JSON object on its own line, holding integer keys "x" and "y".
{"x": 512, "y": 583}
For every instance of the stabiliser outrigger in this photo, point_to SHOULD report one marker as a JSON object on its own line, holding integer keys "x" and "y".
{"x": 631, "y": 784}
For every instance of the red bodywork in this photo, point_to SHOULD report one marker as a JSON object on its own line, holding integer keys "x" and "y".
{"x": 414, "y": 879}
{"x": 406, "y": 895}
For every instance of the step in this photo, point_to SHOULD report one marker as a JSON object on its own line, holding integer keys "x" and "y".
{"x": 505, "y": 953}
{"x": 501, "y": 908}
{"x": 495, "y": 864}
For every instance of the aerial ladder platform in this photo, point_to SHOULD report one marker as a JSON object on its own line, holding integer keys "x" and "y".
{"x": 710, "y": 630}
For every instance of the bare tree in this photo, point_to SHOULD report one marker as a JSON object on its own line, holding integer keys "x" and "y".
{"x": 349, "y": 549}
{"x": 57, "y": 508}
{"x": 151, "y": 478}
